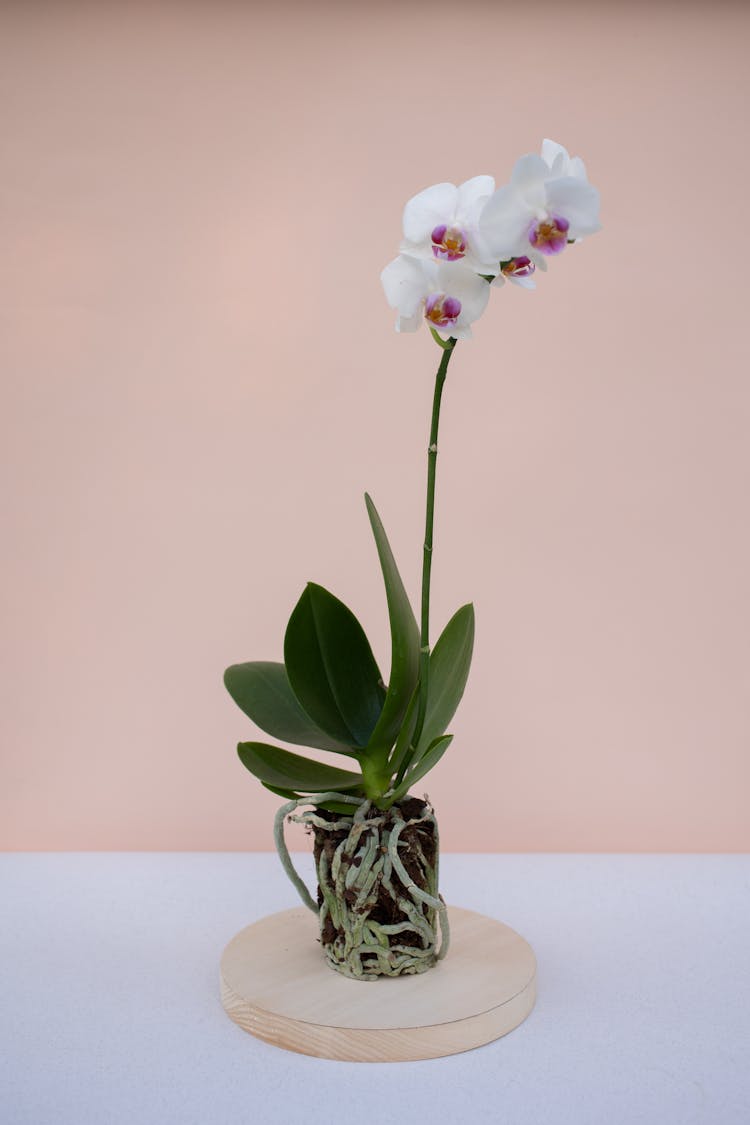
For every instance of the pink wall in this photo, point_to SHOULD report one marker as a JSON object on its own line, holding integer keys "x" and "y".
{"x": 200, "y": 379}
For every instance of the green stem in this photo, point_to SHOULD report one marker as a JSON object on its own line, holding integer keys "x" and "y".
{"x": 432, "y": 451}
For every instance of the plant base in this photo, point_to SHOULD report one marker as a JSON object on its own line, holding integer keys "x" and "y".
{"x": 275, "y": 985}
{"x": 377, "y": 883}
{"x": 377, "y": 888}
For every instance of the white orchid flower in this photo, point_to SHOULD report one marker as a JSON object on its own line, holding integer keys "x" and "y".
{"x": 520, "y": 271}
{"x": 543, "y": 208}
{"x": 449, "y": 297}
{"x": 441, "y": 223}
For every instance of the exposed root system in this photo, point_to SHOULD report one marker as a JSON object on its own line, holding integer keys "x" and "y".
{"x": 378, "y": 899}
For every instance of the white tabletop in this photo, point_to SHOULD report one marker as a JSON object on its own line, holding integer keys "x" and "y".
{"x": 643, "y": 1013}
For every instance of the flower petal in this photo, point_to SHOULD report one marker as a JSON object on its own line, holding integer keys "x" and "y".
{"x": 471, "y": 290}
{"x": 577, "y": 168}
{"x": 528, "y": 179}
{"x": 404, "y": 284}
{"x": 459, "y": 331}
{"x": 423, "y": 212}
{"x": 472, "y": 194}
{"x": 409, "y": 323}
{"x": 523, "y": 282}
{"x": 578, "y": 202}
{"x": 556, "y": 157}
{"x": 505, "y": 222}
{"x": 561, "y": 163}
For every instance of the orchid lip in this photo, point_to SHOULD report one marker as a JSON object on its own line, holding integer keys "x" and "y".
{"x": 441, "y": 310}
{"x": 449, "y": 244}
{"x": 549, "y": 235}
{"x": 518, "y": 267}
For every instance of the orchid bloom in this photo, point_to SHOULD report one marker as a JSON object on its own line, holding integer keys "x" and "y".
{"x": 447, "y": 296}
{"x": 519, "y": 270}
{"x": 441, "y": 223}
{"x": 547, "y": 204}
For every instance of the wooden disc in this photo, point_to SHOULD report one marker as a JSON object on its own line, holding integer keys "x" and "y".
{"x": 276, "y": 984}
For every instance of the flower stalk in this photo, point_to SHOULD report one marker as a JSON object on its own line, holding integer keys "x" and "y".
{"x": 432, "y": 452}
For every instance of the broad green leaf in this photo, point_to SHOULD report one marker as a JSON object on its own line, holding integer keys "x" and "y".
{"x": 404, "y": 644}
{"x": 450, "y": 661}
{"x": 331, "y": 667}
{"x": 288, "y": 794}
{"x": 262, "y": 690}
{"x": 429, "y": 759}
{"x": 286, "y": 771}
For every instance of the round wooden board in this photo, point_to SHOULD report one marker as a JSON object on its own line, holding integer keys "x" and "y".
{"x": 275, "y": 983}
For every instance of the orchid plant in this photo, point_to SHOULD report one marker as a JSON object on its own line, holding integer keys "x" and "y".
{"x": 458, "y": 244}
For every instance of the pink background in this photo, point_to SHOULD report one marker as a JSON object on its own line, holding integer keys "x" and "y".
{"x": 201, "y": 378}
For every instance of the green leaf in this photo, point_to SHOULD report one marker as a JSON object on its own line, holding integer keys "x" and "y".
{"x": 429, "y": 759}
{"x": 288, "y": 794}
{"x": 283, "y": 770}
{"x": 450, "y": 661}
{"x": 331, "y": 667}
{"x": 262, "y": 690}
{"x": 404, "y": 644}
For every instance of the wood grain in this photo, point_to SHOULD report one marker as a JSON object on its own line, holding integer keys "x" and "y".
{"x": 276, "y": 984}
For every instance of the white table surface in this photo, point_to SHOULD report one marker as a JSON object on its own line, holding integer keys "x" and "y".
{"x": 110, "y": 1011}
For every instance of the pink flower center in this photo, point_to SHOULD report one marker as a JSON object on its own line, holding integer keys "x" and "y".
{"x": 549, "y": 235}
{"x": 448, "y": 243}
{"x": 442, "y": 311}
{"x": 518, "y": 267}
